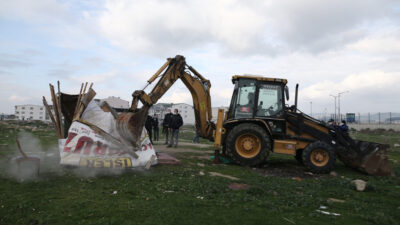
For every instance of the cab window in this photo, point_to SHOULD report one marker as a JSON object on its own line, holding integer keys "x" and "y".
{"x": 245, "y": 99}
{"x": 269, "y": 100}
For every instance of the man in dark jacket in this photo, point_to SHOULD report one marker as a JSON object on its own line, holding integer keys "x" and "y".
{"x": 344, "y": 128}
{"x": 165, "y": 124}
{"x": 174, "y": 124}
{"x": 149, "y": 127}
{"x": 155, "y": 127}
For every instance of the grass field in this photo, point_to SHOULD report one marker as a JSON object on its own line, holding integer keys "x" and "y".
{"x": 282, "y": 192}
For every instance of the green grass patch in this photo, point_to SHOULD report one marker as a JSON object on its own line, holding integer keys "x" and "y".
{"x": 281, "y": 192}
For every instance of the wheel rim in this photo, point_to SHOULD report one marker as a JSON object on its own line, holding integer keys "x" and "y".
{"x": 319, "y": 157}
{"x": 248, "y": 145}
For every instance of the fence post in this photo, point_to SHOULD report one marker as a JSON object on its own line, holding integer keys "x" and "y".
{"x": 369, "y": 118}
{"x": 379, "y": 116}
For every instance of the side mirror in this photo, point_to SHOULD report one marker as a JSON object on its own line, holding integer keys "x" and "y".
{"x": 287, "y": 93}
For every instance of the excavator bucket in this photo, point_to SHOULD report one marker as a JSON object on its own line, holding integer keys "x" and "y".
{"x": 368, "y": 157}
{"x": 130, "y": 126}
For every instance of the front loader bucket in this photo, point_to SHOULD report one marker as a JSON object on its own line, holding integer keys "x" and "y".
{"x": 130, "y": 126}
{"x": 368, "y": 157}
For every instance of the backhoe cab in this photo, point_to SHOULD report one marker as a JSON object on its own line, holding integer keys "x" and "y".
{"x": 259, "y": 122}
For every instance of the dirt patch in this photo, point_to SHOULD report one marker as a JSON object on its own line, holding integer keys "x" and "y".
{"x": 164, "y": 148}
{"x": 207, "y": 157}
{"x": 286, "y": 170}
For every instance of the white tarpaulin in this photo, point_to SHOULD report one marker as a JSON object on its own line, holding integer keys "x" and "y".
{"x": 88, "y": 148}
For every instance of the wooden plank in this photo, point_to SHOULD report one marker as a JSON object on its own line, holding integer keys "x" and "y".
{"x": 20, "y": 149}
{"x": 55, "y": 107}
{"x": 78, "y": 101}
{"x": 79, "y": 109}
{"x": 85, "y": 101}
{"x": 49, "y": 111}
{"x": 107, "y": 108}
{"x": 58, "y": 97}
{"x": 148, "y": 164}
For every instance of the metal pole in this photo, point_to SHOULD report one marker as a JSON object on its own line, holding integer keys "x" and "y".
{"x": 335, "y": 118}
{"x": 390, "y": 117}
{"x": 369, "y": 118}
{"x": 339, "y": 108}
{"x": 340, "y": 116}
{"x": 311, "y": 108}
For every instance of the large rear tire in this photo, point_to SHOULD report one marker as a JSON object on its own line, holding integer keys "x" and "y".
{"x": 319, "y": 157}
{"x": 248, "y": 144}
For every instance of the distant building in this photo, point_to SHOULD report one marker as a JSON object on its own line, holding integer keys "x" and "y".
{"x": 186, "y": 111}
{"x": 215, "y": 112}
{"x": 7, "y": 116}
{"x": 159, "y": 109}
{"x": 31, "y": 112}
{"x": 117, "y": 102}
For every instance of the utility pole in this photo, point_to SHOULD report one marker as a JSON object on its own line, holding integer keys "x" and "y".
{"x": 311, "y": 108}
{"x": 340, "y": 116}
{"x": 335, "y": 106}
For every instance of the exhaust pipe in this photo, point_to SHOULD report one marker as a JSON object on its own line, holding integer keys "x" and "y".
{"x": 295, "y": 97}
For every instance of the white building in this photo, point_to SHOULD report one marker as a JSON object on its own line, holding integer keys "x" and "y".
{"x": 117, "y": 102}
{"x": 214, "y": 111}
{"x": 186, "y": 111}
{"x": 31, "y": 112}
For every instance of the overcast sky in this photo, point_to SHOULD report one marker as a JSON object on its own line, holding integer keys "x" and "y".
{"x": 326, "y": 46}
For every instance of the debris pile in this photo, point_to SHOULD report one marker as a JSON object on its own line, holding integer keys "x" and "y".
{"x": 86, "y": 128}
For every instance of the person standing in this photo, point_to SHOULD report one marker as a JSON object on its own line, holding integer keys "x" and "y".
{"x": 155, "y": 127}
{"x": 165, "y": 124}
{"x": 196, "y": 136}
{"x": 174, "y": 124}
{"x": 149, "y": 127}
{"x": 344, "y": 128}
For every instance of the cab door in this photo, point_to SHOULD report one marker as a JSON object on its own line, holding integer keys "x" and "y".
{"x": 270, "y": 106}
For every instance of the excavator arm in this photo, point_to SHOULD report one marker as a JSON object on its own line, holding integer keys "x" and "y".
{"x": 130, "y": 124}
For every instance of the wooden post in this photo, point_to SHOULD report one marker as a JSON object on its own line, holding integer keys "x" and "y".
{"x": 55, "y": 107}
{"x": 59, "y": 109}
{"x": 49, "y": 111}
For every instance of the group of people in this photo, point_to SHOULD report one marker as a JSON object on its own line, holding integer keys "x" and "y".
{"x": 171, "y": 124}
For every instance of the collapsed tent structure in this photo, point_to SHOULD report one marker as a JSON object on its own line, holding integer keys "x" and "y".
{"x": 87, "y": 133}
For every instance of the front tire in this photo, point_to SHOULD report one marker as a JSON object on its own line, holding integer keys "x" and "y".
{"x": 319, "y": 157}
{"x": 248, "y": 144}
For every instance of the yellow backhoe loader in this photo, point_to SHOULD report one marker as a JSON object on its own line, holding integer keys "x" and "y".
{"x": 258, "y": 122}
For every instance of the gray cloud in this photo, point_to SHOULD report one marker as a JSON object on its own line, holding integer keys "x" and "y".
{"x": 10, "y": 61}
{"x": 257, "y": 27}
{"x": 320, "y": 25}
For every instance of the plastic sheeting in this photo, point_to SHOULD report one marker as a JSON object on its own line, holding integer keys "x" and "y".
{"x": 87, "y": 148}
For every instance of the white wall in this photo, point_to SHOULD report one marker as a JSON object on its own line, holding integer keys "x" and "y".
{"x": 117, "y": 102}
{"x": 215, "y": 112}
